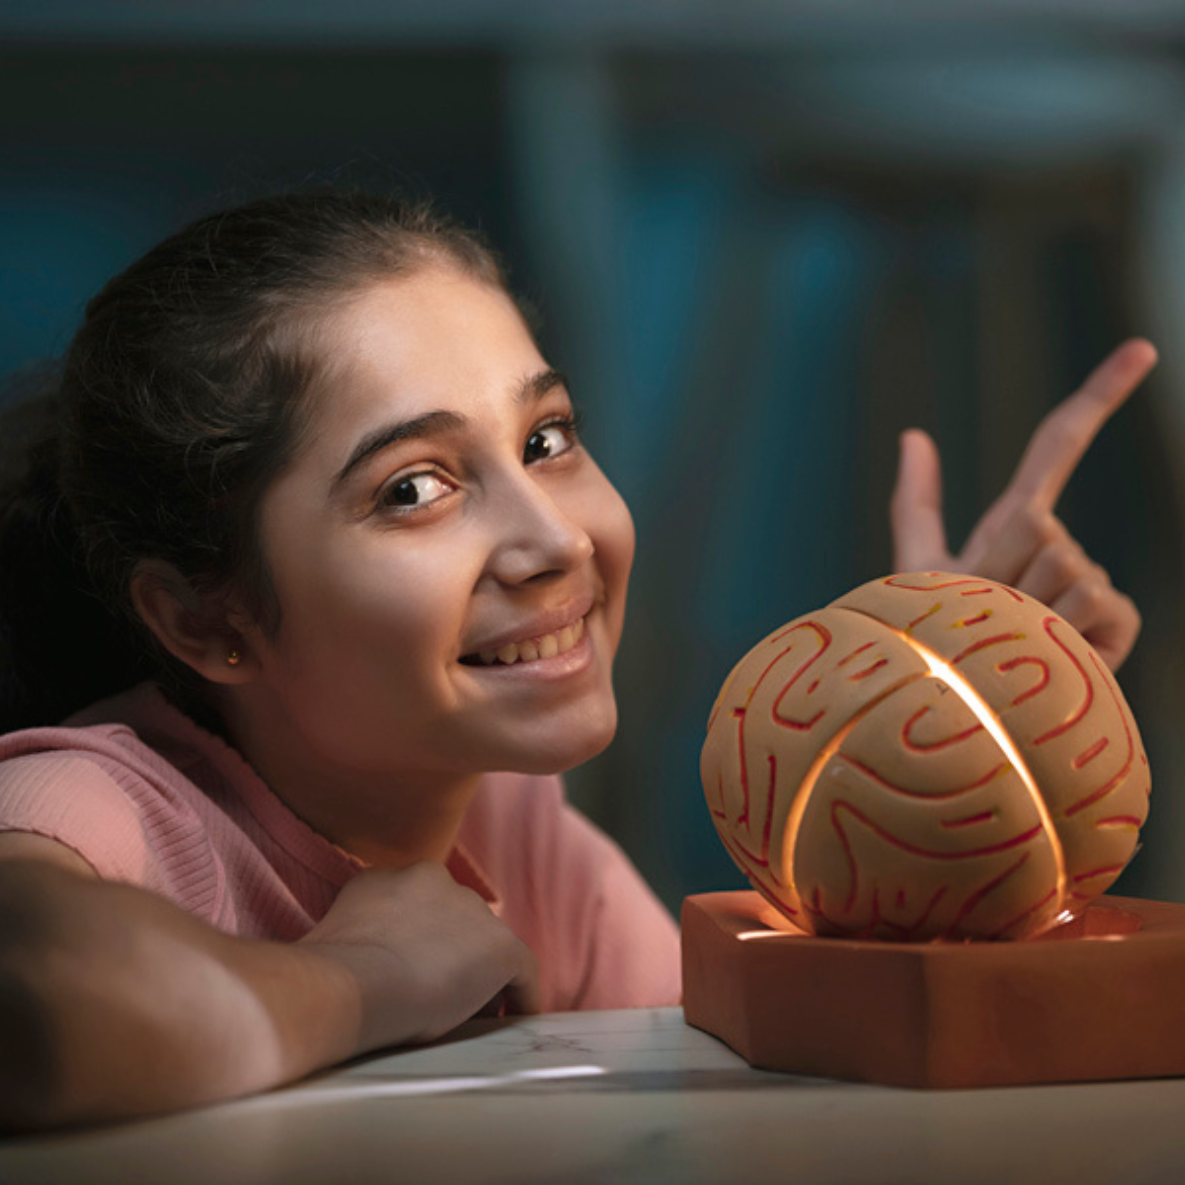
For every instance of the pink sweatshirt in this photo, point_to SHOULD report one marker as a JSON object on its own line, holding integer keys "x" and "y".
{"x": 146, "y": 796}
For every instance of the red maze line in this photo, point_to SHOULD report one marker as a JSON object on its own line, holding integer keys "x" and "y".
{"x": 847, "y": 658}
{"x": 904, "y": 930}
{"x": 1088, "y": 683}
{"x": 823, "y": 635}
{"x": 841, "y": 806}
{"x": 904, "y": 792}
{"x": 1107, "y": 870}
{"x": 739, "y": 716}
{"x": 1038, "y": 687}
{"x": 945, "y": 743}
{"x": 758, "y": 879}
{"x": 776, "y": 900}
{"x": 869, "y": 670}
{"x": 970, "y": 820}
{"x": 1088, "y": 755}
{"x": 825, "y": 638}
{"x": 1105, "y": 789}
{"x": 980, "y": 587}
{"x": 972, "y": 900}
{"x": 984, "y": 644}
{"x": 743, "y": 820}
{"x": 1024, "y": 914}
{"x": 922, "y": 617}
{"x": 822, "y": 631}
{"x": 749, "y": 860}
{"x": 973, "y": 620}
{"x": 907, "y": 930}
{"x": 762, "y": 876}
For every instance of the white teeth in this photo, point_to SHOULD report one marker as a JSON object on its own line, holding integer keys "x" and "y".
{"x": 547, "y": 646}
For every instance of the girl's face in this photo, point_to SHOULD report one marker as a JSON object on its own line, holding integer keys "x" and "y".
{"x": 451, "y": 565}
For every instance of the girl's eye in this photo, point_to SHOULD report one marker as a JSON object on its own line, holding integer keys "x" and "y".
{"x": 550, "y": 440}
{"x": 414, "y": 491}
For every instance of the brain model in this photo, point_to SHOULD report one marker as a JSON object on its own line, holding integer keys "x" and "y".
{"x": 932, "y": 756}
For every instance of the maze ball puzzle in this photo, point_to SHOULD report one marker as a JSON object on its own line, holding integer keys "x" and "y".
{"x": 932, "y": 756}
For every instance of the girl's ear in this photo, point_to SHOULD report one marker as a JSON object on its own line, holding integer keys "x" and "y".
{"x": 198, "y": 634}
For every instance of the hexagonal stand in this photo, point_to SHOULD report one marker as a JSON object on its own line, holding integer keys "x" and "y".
{"x": 1103, "y": 997}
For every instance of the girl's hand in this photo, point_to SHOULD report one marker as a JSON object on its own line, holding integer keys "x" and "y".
{"x": 424, "y": 953}
{"x": 1020, "y": 541}
{"x": 116, "y": 1003}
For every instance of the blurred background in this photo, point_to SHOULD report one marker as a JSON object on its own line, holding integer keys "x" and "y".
{"x": 765, "y": 236}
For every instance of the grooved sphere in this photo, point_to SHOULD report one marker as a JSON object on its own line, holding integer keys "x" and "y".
{"x": 931, "y": 756}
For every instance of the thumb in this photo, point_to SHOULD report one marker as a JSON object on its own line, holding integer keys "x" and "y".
{"x": 521, "y": 995}
{"x": 915, "y": 511}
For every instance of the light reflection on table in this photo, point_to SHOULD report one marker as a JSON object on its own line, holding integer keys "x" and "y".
{"x": 628, "y": 1096}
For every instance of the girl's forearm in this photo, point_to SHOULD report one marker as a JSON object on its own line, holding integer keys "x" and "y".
{"x": 114, "y": 1003}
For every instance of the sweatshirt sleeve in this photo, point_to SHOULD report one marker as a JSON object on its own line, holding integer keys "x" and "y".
{"x": 77, "y": 803}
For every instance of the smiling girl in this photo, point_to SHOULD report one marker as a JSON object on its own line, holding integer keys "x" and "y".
{"x": 312, "y": 564}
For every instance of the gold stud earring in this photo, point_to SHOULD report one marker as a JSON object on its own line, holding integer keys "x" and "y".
{"x": 233, "y": 658}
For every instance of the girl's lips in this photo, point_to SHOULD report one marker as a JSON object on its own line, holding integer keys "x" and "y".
{"x": 544, "y": 646}
{"x": 576, "y": 657}
{"x": 545, "y": 636}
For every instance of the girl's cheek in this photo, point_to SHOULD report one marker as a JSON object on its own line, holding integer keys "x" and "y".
{"x": 621, "y": 532}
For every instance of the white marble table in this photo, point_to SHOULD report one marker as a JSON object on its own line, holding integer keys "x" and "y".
{"x": 623, "y": 1097}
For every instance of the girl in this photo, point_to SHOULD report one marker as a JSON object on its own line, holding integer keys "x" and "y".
{"x": 309, "y": 553}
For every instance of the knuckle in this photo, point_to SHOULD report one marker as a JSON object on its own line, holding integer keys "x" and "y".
{"x": 1063, "y": 564}
{"x": 1037, "y": 526}
{"x": 1130, "y": 610}
{"x": 1058, "y": 567}
{"x": 1075, "y": 565}
{"x": 1095, "y": 597}
{"x": 1064, "y": 428}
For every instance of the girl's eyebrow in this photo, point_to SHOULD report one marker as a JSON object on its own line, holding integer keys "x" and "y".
{"x": 535, "y": 386}
{"x": 435, "y": 423}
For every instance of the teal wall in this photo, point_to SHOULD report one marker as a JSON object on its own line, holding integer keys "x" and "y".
{"x": 758, "y": 262}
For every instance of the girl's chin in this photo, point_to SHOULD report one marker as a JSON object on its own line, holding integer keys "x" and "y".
{"x": 569, "y": 755}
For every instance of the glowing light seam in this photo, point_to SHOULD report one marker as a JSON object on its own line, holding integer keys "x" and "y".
{"x": 806, "y": 788}
{"x": 962, "y": 687}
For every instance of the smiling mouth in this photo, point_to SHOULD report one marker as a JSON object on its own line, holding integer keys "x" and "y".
{"x": 544, "y": 646}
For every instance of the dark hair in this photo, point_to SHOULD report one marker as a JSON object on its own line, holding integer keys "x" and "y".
{"x": 179, "y": 400}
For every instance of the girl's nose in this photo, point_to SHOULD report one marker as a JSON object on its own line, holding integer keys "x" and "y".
{"x": 535, "y": 537}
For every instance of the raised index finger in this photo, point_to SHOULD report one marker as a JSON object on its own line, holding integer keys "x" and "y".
{"x": 1067, "y": 432}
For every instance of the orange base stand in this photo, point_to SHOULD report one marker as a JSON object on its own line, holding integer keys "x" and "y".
{"x": 1103, "y": 997}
